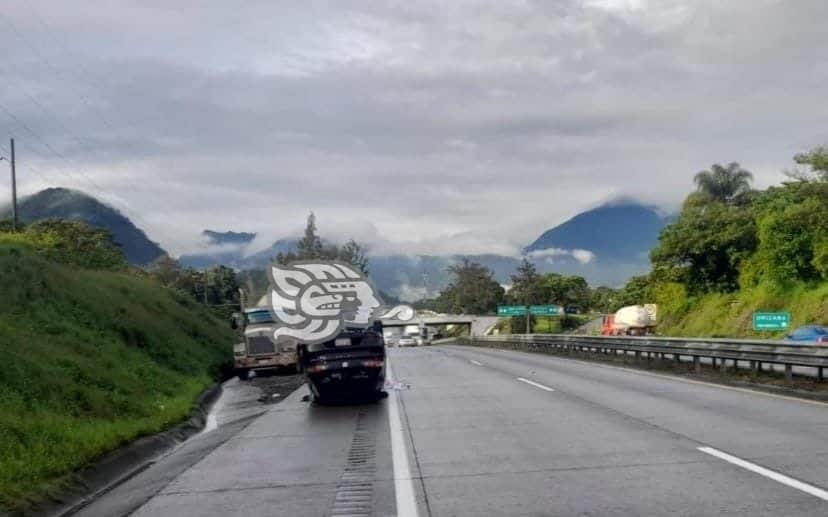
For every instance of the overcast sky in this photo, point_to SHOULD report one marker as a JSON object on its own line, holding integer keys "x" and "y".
{"x": 415, "y": 126}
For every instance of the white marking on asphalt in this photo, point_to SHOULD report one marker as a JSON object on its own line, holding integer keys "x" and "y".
{"x": 403, "y": 481}
{"x": 535, "y": 384}
{"x": 690, "y": 381}
{"x": 776, "y": 476}
{"x": 476, "y": 363}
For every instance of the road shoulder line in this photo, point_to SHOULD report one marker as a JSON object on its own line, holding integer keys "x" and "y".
{"x": 403, "y": 480}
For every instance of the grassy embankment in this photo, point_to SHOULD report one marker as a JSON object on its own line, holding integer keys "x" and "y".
{"x": 91, "y": 360}
{"x": 731, "y": 314}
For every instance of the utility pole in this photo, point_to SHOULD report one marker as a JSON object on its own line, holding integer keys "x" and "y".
{"x": 528, "y": 320}
{"x": 13, "y": 187}
{"x": 528, "y": 316}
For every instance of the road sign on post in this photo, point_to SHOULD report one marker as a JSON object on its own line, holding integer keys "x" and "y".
{"x": 771, "y": 320}
{"x": 545, "y": 310}
{"x": 511, "y": 310}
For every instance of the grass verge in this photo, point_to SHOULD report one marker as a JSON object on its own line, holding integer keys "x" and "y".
{"x": 91, "y": 360}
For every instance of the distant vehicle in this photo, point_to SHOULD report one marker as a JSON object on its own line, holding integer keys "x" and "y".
{"x": 352, "y": 365}
{"x": 572, "y": 309}
{"x": 390, "y": 339}
{"x": 809, "y": 334}
{"x": 257, "y": 351}
{"x": 633, "y": 320}
{"x": 407, "y": 340}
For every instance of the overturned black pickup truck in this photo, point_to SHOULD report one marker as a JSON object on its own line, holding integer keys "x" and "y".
{"x": 350, "y": 366}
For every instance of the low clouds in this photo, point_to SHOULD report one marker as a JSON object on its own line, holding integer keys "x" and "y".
{"x": 549, "y": 255}
{"x": 417, "y": 127}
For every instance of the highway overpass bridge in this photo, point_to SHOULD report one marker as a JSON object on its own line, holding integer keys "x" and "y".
{"x": 476, "y": 325}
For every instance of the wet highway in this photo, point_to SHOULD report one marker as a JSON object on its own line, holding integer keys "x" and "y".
{"x": 474, "y": 432}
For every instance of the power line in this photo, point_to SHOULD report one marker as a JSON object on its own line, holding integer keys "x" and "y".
{"x": 44, "y": 143}
{"x": 84, "y": 99}
{"x": 100, "y": 191}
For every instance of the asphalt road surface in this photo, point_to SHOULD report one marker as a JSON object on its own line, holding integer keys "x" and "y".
{"x": 474, "y": 432}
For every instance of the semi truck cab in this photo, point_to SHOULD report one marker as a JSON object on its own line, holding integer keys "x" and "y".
{"x": 257, "y": 351}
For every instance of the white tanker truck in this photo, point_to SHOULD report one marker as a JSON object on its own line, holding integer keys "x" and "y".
{"x": 633, "y": 320}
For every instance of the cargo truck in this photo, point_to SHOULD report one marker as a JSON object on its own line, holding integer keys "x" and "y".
{"x": 257, "y": 351}
{"x": 633, "y": 320}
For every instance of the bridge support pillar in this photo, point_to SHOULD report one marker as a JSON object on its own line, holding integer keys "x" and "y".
{"x": 697, "y": 364}
{"x": 820, "y": 376}
{"x": 723, "y": 366}
{"x": 754, "y": 370}
{"x": 788, "y": 372}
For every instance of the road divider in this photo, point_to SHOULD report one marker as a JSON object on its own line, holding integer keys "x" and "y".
{"x": 770, "y": 474}
{"x": 535, "y": 384}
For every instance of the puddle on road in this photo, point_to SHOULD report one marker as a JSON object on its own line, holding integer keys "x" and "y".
{"x": 240, "y": 399}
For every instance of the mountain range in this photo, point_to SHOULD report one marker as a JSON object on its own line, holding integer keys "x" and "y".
{"x": 606, "y": 245}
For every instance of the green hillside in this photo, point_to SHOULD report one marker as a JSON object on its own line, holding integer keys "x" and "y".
{"x": 73, "y": 205}
{"x": 733, "y": 251}
{"x": 731, "y": 314}
{"x": 91, "y": 360}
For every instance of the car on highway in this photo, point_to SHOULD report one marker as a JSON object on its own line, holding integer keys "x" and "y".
{"x": 390, "y": 339}
{"x": 809, "y": 334}
{"x": 407, "y": 340}
{"x": 350, "y": 366}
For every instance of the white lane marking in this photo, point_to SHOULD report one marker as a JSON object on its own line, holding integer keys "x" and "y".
{"x": 535, "y": 384}
{"x": 689, "y": 381}
{"x": 476, "y": 363}
{"x": 776, "y": 476}
{"x": 403, "y": 481}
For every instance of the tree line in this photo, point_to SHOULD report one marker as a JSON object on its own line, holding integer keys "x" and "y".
{"x": 729, "y": 237}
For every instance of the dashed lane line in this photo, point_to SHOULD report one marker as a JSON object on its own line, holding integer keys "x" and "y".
{"x": 535, "y": 384}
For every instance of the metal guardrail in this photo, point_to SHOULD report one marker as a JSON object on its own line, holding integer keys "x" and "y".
{"x": 719, "y": 351}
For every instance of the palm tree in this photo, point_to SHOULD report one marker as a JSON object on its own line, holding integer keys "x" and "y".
{"x": 729, "y": 184}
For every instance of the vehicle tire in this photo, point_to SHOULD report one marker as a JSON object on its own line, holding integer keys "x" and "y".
{"x": 243, "y": 374}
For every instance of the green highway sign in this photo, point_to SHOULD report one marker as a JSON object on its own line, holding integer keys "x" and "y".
{"x": 771, "y": 320}
{"x": 545, "y": 310}
{"x": 511, "y": 310}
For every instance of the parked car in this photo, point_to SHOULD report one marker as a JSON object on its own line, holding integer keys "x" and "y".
{"x": 350, "y": 366}
{"x": 809, "y": 334}
{"x": 407, "y": 340}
